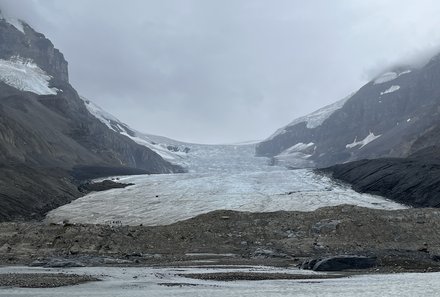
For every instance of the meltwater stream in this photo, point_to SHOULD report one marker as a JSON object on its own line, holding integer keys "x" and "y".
{"x": 220, "y": 177}
{"x": 161, "y": 282}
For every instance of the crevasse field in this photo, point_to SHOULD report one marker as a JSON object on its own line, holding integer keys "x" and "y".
{"x": 220, "y": 177}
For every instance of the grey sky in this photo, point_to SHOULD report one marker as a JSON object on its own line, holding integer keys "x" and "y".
{"x": 227, "y": 70}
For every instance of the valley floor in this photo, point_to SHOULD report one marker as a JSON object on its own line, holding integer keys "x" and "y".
{"x": 231, "y": 210}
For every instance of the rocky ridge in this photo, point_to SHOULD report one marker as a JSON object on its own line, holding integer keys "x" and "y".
{"x": 394, "y": 115}
{"x": 46, "y": 131}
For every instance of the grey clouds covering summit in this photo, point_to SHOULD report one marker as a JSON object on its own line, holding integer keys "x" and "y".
{"x": 227, "y": 71}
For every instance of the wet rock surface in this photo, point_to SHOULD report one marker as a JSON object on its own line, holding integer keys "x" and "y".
{"x": 102, "y": 186}
{"x": 240, "y": 276}
{"x": 340, "y": 263}
{"x": 413, "y": 181}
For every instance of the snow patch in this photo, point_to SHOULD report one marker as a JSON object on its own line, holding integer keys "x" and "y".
{"x": 299, "y": 147}
{"x": 370, "y": 137}
{"x": 25, "y": 75}
{"x": 389, "y": 76}
{"x": 100, "y": 113}
{"x": 390, "y": 90}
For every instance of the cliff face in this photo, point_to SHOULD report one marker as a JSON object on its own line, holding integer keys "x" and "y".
{"x": 32, "y": 45}
{"x": 46, "y": 131}
{"x": 394, "y": 115}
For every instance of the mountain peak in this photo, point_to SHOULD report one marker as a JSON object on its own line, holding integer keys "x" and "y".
{"x": 31, "y": 46}
{"x": 18, "y": 24}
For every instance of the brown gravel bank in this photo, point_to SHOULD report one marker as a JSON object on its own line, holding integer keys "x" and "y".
{"x": 43, "y": 280}
{"x": 402, "y": 240}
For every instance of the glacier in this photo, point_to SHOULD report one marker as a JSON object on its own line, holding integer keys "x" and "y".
{"x": 25, "y": 75}
{"x": 220, "y": 177}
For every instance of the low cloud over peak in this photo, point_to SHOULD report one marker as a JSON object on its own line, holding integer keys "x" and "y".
{"x": 225, "y": 71}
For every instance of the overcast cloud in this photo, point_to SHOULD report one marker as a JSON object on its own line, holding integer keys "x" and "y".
{"x": 227, "y": 70}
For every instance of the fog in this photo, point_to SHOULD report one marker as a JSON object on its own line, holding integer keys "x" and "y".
{"x": 225, "y": 71}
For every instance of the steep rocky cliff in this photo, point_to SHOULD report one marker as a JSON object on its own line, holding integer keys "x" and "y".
{"x": 394, "y": 115}
{"x": 47, "y": 133}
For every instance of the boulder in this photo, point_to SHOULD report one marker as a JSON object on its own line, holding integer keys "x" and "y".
{"x": 339, "y": 263}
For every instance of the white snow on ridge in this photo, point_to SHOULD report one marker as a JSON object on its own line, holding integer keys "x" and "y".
{"x": 370, "y": 137}
{"x": 25, "y": 75}
{"x": 116, "y": 125}
{"x": 315, "y": 119}
{"x": 392, "y": 89}
{"x": 100, "y": 113}
{"x": 389, "y": 76}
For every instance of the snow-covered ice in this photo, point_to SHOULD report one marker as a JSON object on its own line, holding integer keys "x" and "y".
{"x": 391, "y": 89}
{"x": 389, "y": 76}
{"x": 25, "y": 75}
{"x": 297, "y": 156}
{"x": 155, "y": 282}
{"x": 220, "y": 177}
{"x": 369, "y": 138}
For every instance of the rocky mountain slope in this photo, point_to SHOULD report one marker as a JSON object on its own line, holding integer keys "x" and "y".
{"x": 413, "y": 181}
{"x": 46, "y": 131}
{"x": 169, "y": 149}
{"x": 394, "y": 115}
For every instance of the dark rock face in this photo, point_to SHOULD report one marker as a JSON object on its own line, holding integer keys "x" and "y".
{"x": 32, "y": 45}
{"x": 44, "y": 139}
{"x": 403, "y": 111}
{"x": 414, "y": 181}
{"x": 102, "y": 186}
{"x": 339, "y": 263}
{"x": 27, "y": 192}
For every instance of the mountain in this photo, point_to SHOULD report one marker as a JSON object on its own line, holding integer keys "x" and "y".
{"x": 394, "y": 115}
{"x": 169, "y": 149}
{"x": 48, "y": 137}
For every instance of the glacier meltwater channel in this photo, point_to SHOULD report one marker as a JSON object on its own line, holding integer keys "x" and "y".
{"x": 219, "y": 177}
